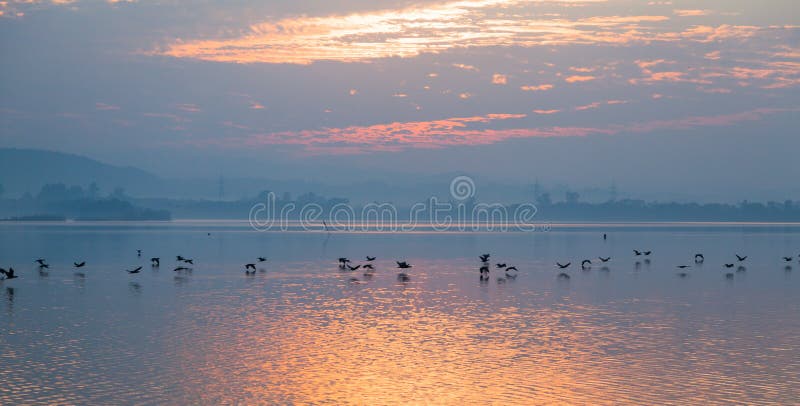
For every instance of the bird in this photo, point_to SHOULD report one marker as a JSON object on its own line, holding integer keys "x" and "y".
{"x": 605, "y": 259}
{"x": 9, "y": 274}
{"x": 250, "y": 266}
{"x": 369, "y": 258}
{"x": 484, "y": 270}
{"x": 181, "y": 268}
{"x": 584, "y": 262}
{"x": 79, "y": 264}
{"x": 787, "y": 259}
{"x": 353, "y": 268}
{"x": 637, "y": 253}
{"x": 135, "y": 270}
{"x": 368, "y": 266}
{"x": 698, "y": 258}
{"x": 138, "y": 253}
{"x": 485, "y": 257}
{"x": 728, "y": 265}
{"x": 40, "y": 261}
{"x": 741, "y": 259}
{"x": 511, "y": 272}
{"x": 261, "y": 259}
{"x": 564, "y": 266}
{"x": 605, "y": 236}
{"x": 646, "y": 253}
{"x": 343, "y": 261}
{"x": 500, "y": 265}
{"x": 156, "y": 261}
{"x": 683, "y": 266}
{"x": 562, "y": 275}
{"x": 44, "y": 266}
{"x": 179, "y": 258}
{"x": 403, "y": 265}
{"x": 189, "y": 261}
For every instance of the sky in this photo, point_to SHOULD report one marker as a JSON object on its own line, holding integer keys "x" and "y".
{"x": 664, "y": 99}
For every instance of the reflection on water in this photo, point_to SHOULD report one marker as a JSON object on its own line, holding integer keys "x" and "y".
{"x": 304, "y": 331}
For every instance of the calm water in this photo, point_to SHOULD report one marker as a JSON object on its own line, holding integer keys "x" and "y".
{"x": 301, "y": 331}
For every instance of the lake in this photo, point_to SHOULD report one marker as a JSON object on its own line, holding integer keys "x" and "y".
{"x": 303, "y": 331}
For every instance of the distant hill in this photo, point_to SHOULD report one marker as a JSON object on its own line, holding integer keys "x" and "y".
{"x": 27, "y": 170}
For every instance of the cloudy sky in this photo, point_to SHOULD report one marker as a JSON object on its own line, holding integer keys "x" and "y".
{"x": 695, "y": 99}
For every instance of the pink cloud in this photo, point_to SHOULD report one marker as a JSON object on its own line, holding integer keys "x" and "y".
{"x": 579, "y": 78}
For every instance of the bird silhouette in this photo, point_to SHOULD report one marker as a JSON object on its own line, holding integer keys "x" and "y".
{"x": 728, "y": 265}
{"x": 484, "y": 257}
{"x": 698, "y": 258}
{"x": 787, "y": 259}
{"x": 9, "y": 274}
{"x": 511, "y": 268}
{"x": 250, "y": 266}
{"x": 637, "y": 253}
{"x": 564, "y": 266}
{"x": 484, "y": 270}
{"x": 41, "y": 261}
{"x": 343, "y": 261}
{"x": 741, "y": 259}
{"x": 369, "y": 258}
{"x": 403, "y": 265}
{"x": 156, "y": 261}
{"x": 179, "y": 258}
{"x": 135, "y": 270}
{"x": 47, "y": 266}
{"x": 500, "y": 265}
{"x": 353, "y": 268}
{"x": 368, "y": 266}
{"x": 646, "y": 253}
{"x": 585, "y": 262}
{"x": 605, "y": 259}
{"x": 180, "y": 268}
{"x": 188, "y": 261}
{"x": 261, "y": 259}
{"x": 138, "y": 253}
{"x": 683, "y": 266}
{"x": 79, "y": 264}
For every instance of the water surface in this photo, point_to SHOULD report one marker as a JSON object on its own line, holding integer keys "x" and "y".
{"x": 303, "y": 331}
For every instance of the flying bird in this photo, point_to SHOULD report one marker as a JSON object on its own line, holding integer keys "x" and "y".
{"x": 698, "y": 258}
{"x": 683, "y": 266}
{"x": 728, "y": 265}
{"x": 156, "y": 261}
{"x": 261, "y": 259}
{"x": 403, "y": 265}
{"x": 138, "y": 253}
{"x": 500, "y": 265}
{"x": 250, "y": 266}
{"x": 40, "y": 261}
{"x": 353, "y": 268}
{"x": 179, "y": 258}
{"x": 369, "y": 258}
{"x": 646, "y": 253}
{"x": 741, "y": 259}
{"x": 484, "y": 270}
{"x": 787, "y": 259}
{"x": 637, "y": 253}
{"x": 9, "y": 274}
{"x": 584, "y": 262}
{"x": 79, "y": 264}
{"x": 189, "y": 261}
{"x": 605, "y": 259}
{"x": 564, "y": 266}
{"x": 484, "y": 257}
{"x": 368, "y": 266}
{"x": 181, "y": 268}
{"x": 135, "y": 270}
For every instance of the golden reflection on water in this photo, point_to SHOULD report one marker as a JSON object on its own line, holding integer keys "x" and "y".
{"x": 395, "y": 344}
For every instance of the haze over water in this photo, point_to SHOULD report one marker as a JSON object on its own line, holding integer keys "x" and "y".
{"x": 301, "y": 331}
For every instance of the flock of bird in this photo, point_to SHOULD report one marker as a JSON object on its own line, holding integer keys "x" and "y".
{"x": 508, "y": 272}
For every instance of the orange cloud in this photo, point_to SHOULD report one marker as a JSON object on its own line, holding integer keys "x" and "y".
{"x": 546, "y": 112}
{"x": 499, "y": 79}
{"x": 691, "y": 13}
{"x": 578, "y": 78}
{"x": 539, "y": 88}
